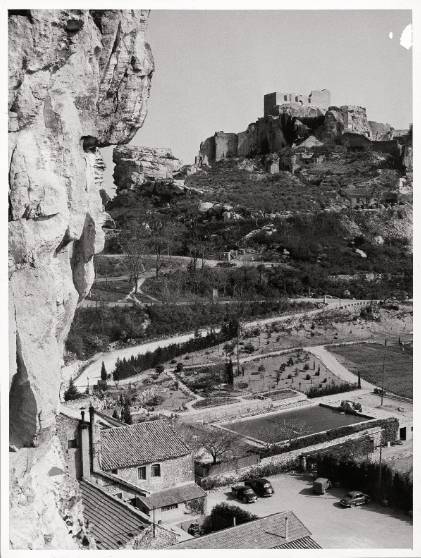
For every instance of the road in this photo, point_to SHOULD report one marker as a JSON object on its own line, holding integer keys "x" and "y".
{"x": 370, "y": 526}
{"x": 332, "y": 364}
{"x": 93, "y": 372}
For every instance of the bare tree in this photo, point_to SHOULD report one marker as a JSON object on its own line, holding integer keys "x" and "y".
{"x": 133, "y": 241}
{"x": 217, "y": 442}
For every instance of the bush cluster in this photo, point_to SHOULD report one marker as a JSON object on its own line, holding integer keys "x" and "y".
{"x": 319, "y": 391}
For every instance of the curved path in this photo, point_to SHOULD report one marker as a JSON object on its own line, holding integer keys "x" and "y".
{"x": 332, "y": 364}
{"x": 92, "y": 373}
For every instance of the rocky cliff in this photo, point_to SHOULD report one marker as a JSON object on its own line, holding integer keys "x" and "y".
{"x": 290, "y": 125}
{"x": 136, "y": 166}
{"x": 78, "y": 80}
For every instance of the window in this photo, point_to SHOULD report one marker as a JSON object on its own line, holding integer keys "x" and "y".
{"x": 285, "y": 98}
{"x": 71, "y": 444}
{"x": 171, "y": 507}
{"x": 141, "y": 473}
{"x": 156, "y": 470}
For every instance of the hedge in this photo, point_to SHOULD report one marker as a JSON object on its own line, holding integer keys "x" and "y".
{"x": 382, "y": 483}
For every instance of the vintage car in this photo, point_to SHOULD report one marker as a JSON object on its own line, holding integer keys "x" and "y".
{"x": 244, "y": 493}
{"x": 354, "y": 498}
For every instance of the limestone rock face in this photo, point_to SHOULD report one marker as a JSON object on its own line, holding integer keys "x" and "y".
{"x": 347, "y": 118}
{"x": 78, "y": 80}
{"x": 138, "y": 166}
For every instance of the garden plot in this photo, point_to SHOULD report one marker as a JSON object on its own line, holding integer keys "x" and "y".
{"x": 296, "y": 370}
{"x": 278, "y": 376}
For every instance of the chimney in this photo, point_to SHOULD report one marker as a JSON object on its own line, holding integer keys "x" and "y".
{"x": 286, "y": 527}
{"x": 94, "y": 440}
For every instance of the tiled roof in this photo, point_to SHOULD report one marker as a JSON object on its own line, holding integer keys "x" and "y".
{"x": 266, "y": 532}
{"x": 175, "y": 495}
{"x": 305, "y": 542}
{"x": 145, "y": 442}
{"x": 111, "y": 521}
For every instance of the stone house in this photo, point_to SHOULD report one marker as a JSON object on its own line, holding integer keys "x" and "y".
{"x": 149, "y": 465}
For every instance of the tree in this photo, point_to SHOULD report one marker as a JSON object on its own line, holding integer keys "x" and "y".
{"x": 216, "y": 442}
{"x": 71, "y": 392}
{"x": 229, "y": 372}
{"x": 104, "y": 374}
{"x": 133, "y": 242}
{"x": 116, "y": 414}
{"x": 126, "y": 414}
{"x": 225, "y": 515}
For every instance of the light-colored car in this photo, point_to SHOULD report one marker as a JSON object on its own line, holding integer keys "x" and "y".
{"x": 354, "y": 498}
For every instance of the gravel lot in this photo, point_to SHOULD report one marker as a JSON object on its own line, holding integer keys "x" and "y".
{"x": 369, "y": 526}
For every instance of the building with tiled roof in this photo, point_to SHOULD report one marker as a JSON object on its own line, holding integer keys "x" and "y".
{"x": 114, "y": 524}
{"x": 280, "y": 530}
{"x": 142, "y": 443}
{"x": 150, "y": 466}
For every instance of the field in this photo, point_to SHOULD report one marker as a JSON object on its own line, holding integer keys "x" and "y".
{"x": 281, "y": 426}
{"x": 367, "y": 358}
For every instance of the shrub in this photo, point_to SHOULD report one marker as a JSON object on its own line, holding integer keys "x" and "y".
{"x": 222, "y": 516}
{"x": 306, "y": 366}
{"x": 159, "y": 369}
{"x": 249, "y": 348}
{"x": 289, "y": 376}
{"x": 308, "y": 377}
{"x": 319, "y": 391}
{"x": 242, "y": 385}
{"x": 72, "y": 392}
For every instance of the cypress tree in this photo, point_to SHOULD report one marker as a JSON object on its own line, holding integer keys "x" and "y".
{"x": 71, "y": 392}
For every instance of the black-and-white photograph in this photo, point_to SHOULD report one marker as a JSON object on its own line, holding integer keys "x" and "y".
{"x": 210, "y": 272}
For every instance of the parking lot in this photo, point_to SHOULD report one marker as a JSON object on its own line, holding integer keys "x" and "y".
{"x": 368, "y": 526}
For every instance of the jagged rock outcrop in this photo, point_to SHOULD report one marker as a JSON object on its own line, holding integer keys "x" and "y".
{"x": 78, "y": 80}
{"x": 138, "y": 165}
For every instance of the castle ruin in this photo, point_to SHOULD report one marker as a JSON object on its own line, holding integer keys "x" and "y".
{"x": 317, "y": 98}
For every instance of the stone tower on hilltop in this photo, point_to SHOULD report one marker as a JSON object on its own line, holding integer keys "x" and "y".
{"x": 317, "y": 99}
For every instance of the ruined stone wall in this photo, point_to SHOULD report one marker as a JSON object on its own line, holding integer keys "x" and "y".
{"x": 78, "y": 80}
{"x": 226, "y": 145}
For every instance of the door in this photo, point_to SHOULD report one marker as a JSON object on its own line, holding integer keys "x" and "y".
{"x": 402, "y": 433}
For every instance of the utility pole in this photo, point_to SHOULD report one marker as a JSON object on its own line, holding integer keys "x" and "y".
{"x": 380, "y": 467}
{"x": 384, "y": 362}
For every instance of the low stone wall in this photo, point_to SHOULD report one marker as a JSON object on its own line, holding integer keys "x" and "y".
{"x": 374, "y": 433}
{"x": 286, "y": 461}
{"x": 245, "y": 408}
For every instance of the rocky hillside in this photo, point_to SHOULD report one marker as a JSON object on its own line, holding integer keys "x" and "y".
{"x": 78, "y": 80}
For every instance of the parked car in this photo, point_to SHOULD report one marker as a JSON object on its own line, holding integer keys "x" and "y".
{"x": 354, "y": 498}
{"x": 261, "y": 487}
{"x": 320, "y": 485}
{"x": 194, "y": 529}
{"x": 397, "y": 443}
{"x": 244, "y": 493}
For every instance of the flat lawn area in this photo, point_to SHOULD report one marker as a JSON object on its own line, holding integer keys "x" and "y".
{"x": 271, "y": 429}
{"x": 368, "y": 359}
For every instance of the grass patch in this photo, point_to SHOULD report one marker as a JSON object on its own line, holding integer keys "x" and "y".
{"x": 367, "y": 358}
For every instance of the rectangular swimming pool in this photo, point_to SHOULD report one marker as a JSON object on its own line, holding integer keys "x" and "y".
{"x": 277, "y": 427}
